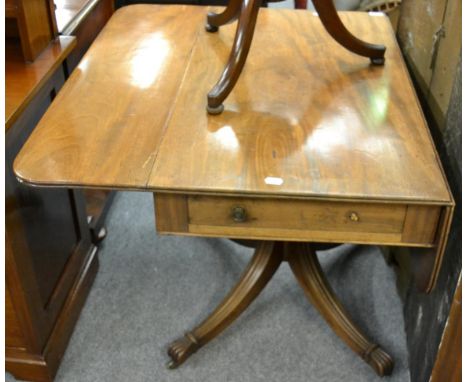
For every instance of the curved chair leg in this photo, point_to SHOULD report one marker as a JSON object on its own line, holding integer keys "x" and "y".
{"x": 261, "y": 268}
{"x": 309, "y": 274}
{"x": 332, "y": 23}
{"x": 300, "y": 4}
{"x": 231, "y": 13}
{"x": 239, "y": 52}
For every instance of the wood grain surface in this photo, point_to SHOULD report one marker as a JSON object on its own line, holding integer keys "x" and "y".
{"x": 11, "y": 8}
{"x": 105, "y": 125}
{"x": 307, "y": 119}
{"x": 297, "y": 214}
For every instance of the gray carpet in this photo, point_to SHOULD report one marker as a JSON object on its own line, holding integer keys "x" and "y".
{"x": 150, "y": 289}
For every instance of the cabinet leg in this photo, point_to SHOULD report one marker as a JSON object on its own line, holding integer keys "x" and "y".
{"x": 261, "y": 268}
{"x": 331, "y": 21}
{"x": 305, "y": 266}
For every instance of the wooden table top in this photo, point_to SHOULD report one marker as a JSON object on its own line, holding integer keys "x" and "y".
{"x": 23, "y": 80}
{"x": 306, "y": 119}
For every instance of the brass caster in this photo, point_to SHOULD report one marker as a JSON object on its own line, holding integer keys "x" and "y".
{"x": 377, "y": 61}
{"x": 215, "y": 110}
{"x": 97, "y": 237}
{"x": 181, "y": 349}
{"x": 211, "y": 28}
{"x": 102, "y": 234}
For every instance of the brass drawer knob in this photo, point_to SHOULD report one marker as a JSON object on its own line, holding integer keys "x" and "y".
{"x": 239, "y": 214}
{"x": 353, "y": 216}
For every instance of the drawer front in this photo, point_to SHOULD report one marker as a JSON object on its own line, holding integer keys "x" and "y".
{"x": 296, "y": 214}
{"x": 301, "y": 220}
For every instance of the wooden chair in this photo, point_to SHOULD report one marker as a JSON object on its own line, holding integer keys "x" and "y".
{"x": 246, "y": 11}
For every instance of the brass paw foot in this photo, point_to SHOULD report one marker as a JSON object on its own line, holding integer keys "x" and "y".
{"x": 380, "y": 361}
{"x": 181, "y": 349}
{"x": 306, "y": 267}
{"x": 258, "y": 272}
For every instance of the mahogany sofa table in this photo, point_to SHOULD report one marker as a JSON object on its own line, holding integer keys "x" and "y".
{"x": 315, "y": 145}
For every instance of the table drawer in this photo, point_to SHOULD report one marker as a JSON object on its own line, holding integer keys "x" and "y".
{"x": 292, "y": 219}
{"x": 323, "y": 220}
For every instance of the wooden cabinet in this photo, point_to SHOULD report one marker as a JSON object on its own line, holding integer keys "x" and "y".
{"x": 32, "y": 22}
{"x": 50, "y": 260}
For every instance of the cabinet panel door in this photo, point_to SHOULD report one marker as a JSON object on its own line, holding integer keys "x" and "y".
{"x": 46, "y": 228}
{"x": 14, "y": 335}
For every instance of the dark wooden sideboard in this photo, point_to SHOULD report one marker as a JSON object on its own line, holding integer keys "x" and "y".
{"x": 51, "y": 234}
{"x": 50, "y": 260}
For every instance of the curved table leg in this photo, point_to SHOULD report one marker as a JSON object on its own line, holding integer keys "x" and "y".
{"x": 239, "y": 52}
{"x": 231, "y": 13}
{"x": 261, "y": 268}
{"x": 305, "y": 266}
{"x": 332, "y": 23}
